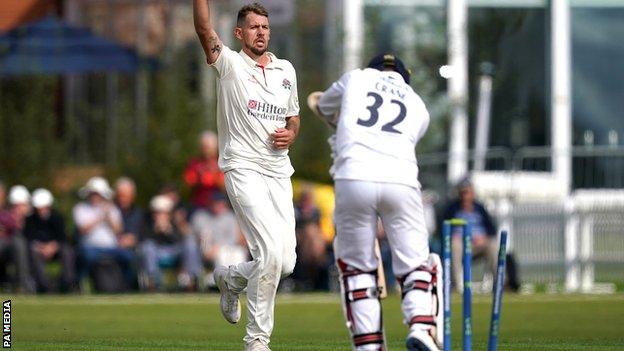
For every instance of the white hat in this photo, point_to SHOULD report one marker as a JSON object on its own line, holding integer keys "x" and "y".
{"x": 42, "y": 198}
{"x": 96, "y": 185}
{"x": 161, "y": 203}
{"x": 19, "y": 195}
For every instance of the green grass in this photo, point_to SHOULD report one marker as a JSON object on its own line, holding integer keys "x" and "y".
{"x": 304, "y": 322}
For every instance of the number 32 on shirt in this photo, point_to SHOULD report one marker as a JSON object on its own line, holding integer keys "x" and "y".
{"x": 373, "y": 119}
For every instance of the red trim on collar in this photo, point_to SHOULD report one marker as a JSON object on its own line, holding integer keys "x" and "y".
{"x": 263, "y": 72}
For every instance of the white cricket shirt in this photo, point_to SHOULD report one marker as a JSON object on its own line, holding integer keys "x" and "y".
{"x": 252, "y": 102}
{"x": 380, "y": 120}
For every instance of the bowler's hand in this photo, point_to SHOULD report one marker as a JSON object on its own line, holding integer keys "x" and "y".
{"x": 283, "y": 138}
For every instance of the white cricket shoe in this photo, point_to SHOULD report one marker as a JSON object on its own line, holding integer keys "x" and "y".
{"x": 257, "y": 345}
{"x": 230, "y": 305}
{"x": 420, "y": 340}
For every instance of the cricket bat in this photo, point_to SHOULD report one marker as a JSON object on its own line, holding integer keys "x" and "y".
{"x": 381, "y": 276}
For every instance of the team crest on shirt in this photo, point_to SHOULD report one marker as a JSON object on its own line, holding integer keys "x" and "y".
{"x": 286, "y": 84}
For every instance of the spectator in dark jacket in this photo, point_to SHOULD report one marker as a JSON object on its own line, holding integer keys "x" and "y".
{"x": 484, "y": 243}
{"x": 13, "y": 248}
{"x": 47, "y": 241}
{"x": 166, "y": 243}
{"x": 131, "y": 215}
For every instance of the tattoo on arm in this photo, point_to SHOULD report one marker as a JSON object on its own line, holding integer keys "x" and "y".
{"x": 215, "y": 44}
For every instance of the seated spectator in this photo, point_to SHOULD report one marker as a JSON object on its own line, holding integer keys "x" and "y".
{"x": 484, "y": 243}
{"x": 19, "y": 205}
{"x": 165, "y": 243}
{"x": 220, "y": 238}
{"x": 47, "y": 241}
{"x": 99, "y": 222}
{"x": 312, "y": 263}
{"x": 180, "y": 211}
{"x": 202, "y": 173}
{"x": 131, "y": 215}
{"x": 13, "y": 249}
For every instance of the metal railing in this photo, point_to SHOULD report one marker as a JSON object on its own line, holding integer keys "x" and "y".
{"x": 593, "y": 166}
{"x": 576, "y": 241}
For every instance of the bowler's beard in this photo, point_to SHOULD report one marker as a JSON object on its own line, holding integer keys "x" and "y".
{"x": 257, "y": 52}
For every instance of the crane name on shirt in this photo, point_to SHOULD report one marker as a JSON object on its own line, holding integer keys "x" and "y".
{"x": 389, "y": 86}
{"x": 266, "y": 111}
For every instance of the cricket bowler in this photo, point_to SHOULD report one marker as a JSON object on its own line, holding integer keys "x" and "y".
{"x": 257, "y": 121}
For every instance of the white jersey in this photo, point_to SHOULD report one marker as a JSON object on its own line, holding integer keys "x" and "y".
{"x": 253, "y": 101}
{"x": 380, "y": 120}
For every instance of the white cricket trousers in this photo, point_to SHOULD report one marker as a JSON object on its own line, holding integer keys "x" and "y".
{"x": 265, "y": 212}
{"x": 358, "y": 206}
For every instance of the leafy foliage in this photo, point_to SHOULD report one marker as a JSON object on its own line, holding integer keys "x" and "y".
{"x": 29, "y": 143}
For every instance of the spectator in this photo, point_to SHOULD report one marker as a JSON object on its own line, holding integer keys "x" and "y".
{"x": 13, "y": 249}
{"x": 311, "y": 271}
{"x": 484, "y": 243}
{"x": 165, "y": 243}
{"x": 220, "y": 238}
{"x": 99, "y": 222}
{"x": 19, "y": 205}
{"x": 202, "y": 173}
{"x": 180, "y": 212}
{"x": 131, "y": 215}
{"x": 47, "y": 241}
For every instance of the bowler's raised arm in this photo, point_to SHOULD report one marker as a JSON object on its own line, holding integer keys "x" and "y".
{"x": 203, "y": 26}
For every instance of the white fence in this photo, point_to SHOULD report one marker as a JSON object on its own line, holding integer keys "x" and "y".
{"x": 578, "y": 243}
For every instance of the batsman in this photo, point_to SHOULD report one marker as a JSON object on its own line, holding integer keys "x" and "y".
{"x": 379, "y": 119}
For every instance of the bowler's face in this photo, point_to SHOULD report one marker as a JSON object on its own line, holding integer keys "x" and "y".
{"x": 255, "y": 33}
